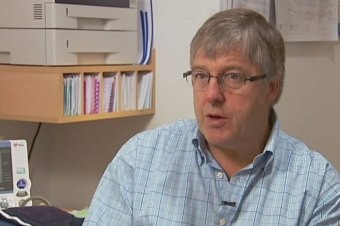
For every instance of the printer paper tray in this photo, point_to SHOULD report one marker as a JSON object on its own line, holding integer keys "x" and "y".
{"x": 67, "y": 47}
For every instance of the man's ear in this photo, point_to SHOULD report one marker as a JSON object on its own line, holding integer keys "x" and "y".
{"x": 274, "y": 90}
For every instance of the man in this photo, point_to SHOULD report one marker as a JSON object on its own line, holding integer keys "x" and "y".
{"x": 233, "y": 165}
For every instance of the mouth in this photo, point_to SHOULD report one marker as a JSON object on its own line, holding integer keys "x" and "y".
{"x": 216, "y": 116}
{"x": 216, "y": 120}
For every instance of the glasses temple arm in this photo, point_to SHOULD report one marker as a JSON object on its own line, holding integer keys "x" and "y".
{"x": 255, "y": 78}
{"x": 186, "y": 74}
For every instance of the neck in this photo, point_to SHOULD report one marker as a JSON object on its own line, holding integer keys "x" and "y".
{"x": 235, "y": 159}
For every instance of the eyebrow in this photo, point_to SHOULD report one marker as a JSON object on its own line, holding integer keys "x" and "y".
{"x": 224, "y": 69}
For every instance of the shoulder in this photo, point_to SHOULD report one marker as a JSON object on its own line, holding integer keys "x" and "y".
{"x": 306, "y": 172}
{"x": 305, "y": 166}
{"x": 297, "y": 155}
{"x": 179, "y": 127}
{"x": 167, "y": 134}
{"x": 164, "y": 139}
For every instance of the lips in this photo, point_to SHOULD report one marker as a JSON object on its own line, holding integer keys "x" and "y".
{"x": 216, "y": 120}
{"x": 214, "y": 116}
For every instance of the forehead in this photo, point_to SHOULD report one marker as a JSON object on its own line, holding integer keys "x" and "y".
{"x": 233, "y": 58}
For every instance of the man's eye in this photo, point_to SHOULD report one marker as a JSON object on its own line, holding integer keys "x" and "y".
{"x": 233, "y": 76}
{"x": 201, "y": 75}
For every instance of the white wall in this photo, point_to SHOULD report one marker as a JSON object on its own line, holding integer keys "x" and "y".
{"x": 69, "y": 159}
{"x": 174, "y": 29}
{"x": 310, "y": 107}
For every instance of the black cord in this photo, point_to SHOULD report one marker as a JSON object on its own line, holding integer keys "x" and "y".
{"x": 33, "y": 141}
{"x": 36, "y": 200}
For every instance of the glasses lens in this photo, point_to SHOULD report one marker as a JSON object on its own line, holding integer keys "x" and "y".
{"x": 232, "y": 80}
{"x": 200, "y": 79}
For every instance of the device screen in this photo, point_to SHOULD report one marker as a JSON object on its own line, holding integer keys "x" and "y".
{"x": 6, "y": 174}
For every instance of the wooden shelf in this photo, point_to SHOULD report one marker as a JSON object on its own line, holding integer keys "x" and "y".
{"x": 36, "y": 93}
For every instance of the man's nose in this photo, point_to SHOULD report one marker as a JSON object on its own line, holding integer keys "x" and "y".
{"x": 215, "y": 90}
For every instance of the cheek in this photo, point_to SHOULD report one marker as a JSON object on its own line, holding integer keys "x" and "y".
{"x": 252, "y": 109}
{"x": 239, "y": 101}
{"x": 198, "y": 103}
{"x": 246, "y": 106}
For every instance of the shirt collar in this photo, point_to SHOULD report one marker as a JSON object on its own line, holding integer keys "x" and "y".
{"x": 199, "y": 143}
{"x": 270, "y": 147}
{"x": 272, "y": 139}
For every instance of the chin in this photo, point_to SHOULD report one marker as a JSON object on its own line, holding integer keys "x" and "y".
{"x": 217, "y": 138}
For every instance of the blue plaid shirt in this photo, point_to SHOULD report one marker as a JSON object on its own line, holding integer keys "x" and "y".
{"x": 167, "y": 177}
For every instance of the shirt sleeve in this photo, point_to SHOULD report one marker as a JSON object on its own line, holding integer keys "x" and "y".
{"x": 327, "y": 211}
{"x": 112, "y": 201}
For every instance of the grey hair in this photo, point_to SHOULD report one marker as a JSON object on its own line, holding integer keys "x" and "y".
{"x": 246, "y": 31}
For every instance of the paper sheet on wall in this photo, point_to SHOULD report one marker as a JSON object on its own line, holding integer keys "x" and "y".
{"x": 261, "y": 6}
{"x": 297, "y": 20}
{"x": 307, "y": 20}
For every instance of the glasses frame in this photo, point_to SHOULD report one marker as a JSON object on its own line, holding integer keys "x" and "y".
{"x": 219, "y": 79}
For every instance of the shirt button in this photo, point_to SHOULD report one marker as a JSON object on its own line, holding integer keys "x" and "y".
{"x": 223, "y": 221}
{"x": 219, "y": 175}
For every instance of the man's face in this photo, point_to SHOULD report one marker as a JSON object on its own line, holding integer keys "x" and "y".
{"x": 233, "y": 119}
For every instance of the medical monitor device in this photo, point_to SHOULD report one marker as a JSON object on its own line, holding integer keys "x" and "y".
{"x": 15, "y": 183}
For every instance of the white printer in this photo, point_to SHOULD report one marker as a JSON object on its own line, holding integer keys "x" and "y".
{"x": 68, "y": 32}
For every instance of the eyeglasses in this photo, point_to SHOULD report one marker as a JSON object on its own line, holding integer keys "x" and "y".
{"x": 200, "y": 79}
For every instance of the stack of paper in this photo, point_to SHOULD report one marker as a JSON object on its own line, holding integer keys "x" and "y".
{"x": 145, "y": 31}
{"x": 72, "y": 94}
{"x": 129, "y": 87}
{"x": 91, "y": 93}
{"x": 110, "y": 93}
{"x": 145, "y": 95}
